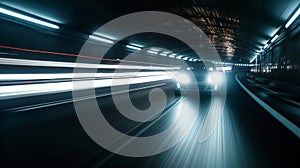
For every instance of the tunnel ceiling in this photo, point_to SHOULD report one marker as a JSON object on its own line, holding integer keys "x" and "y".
{"x": 237, "y": 28}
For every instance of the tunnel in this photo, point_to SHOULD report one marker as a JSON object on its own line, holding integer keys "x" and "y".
{"x": 150, "y": 83}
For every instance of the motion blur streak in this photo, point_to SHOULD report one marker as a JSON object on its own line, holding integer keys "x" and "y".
{"x": 24, "y": 62}
{"x": 221, "y": 149}
{"x": 7, "y": 77}
{"x": 14, "y": 91}
{"x": 76, "y": 55}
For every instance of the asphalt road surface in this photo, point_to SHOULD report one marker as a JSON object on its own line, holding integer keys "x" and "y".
{"x": 246, "y": 135}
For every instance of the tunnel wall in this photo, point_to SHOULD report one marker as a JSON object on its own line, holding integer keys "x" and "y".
{"x": 24, "y": 35}
{"x": 18, "y": 34}
{"x": 282, "y": 61}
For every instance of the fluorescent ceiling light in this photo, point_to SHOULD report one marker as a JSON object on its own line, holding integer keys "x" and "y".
{"x": 172, "y": 55}
{"x": 163, "y": 54}
{"x": 152, "y": 52}
{"x": 274, "y": 38}
{"x": 292, "y": 19}
{"x": 253, "y": 59}
{"x": 266, "y": 45}
{"x": 101, "y": 39}
{"x": 27, "y": 18}
{"x": 179, "y": 57}
{"x": 153, "y": 49}
{"x": 185, "y": 58}
{"x": 133, "y": 47}
{"x": 136, "y": 45}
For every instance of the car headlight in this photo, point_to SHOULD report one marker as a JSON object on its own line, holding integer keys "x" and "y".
{"x": 178, "y": 85}
{"x": 216, "y": 78}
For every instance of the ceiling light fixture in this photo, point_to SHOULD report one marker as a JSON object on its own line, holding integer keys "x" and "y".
{"x": 172, "y": 55}
{"x": 293, "y": 18}
{"x": 253, "y": 59}
{"x": 27, "y": 18}
{"x": 274, "y": 38}
{"x": 133, "y": 47}
{"x": 97, "y": 38}
{"x": 152, "y": 52}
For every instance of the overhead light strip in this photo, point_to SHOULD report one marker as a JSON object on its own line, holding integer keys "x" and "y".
{"x": 253, "y": 59}
{"x": 274, "y": 38}
{"x": 98, "y": 38}
{"x": 266, "y": 45}
{"x": 152, "y": 52}
{"x": 133, "y": 47}
{"x": 136, "y": 45}
{"x": 27, "y": 18}
{"x": 172, "y": 55}
{"x": 293, "y": 18}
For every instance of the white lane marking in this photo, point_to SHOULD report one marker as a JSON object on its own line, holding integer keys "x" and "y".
{"x": 288, "y": 124}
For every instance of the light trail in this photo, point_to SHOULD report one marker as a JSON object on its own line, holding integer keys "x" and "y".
{"x": 25, "y": 62}
{"x": 17, "y": 91}
{"x": 80, "y": 56}
{"x": 9, "y": 77}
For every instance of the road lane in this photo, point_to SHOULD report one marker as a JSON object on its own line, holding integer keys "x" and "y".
{"x": 246, "y": 136}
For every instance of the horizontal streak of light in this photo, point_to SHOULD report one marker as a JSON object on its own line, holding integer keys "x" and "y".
{"x": 24, "y": 62}
{"x": 153, "y": 49}
{"x": 76, "y": 55}
{"x": 172, "y": 55}
{"x": 97, "y": 38}
{"x": 179, "y": 57}
{"x": 6, "y": 77}
{"x": 58, "y": 102}
{"x": 27, "y": 18}
{"x": 133, "y": 47}
{"x": 16, "y": 91}
{"x": 137, "y": 45}
{"x": 152, "y": 52}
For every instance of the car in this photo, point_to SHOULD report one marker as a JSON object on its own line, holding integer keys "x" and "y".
{"x": 199, "y": 76}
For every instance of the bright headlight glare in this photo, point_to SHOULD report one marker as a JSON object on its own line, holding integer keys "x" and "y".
{"x": 215, "y": 78}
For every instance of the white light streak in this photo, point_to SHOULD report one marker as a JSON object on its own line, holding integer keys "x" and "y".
{"x": 24, "y": 62}
{"x": 27, "y": 18}
{"x": 133, "y": 47}
{"x": 152, "y": 52}
{"x": 274, "y": 38}
{"x": 97, "y": 38}
{"x": 292, "y": 19}
{"x": 16, "y": 91}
